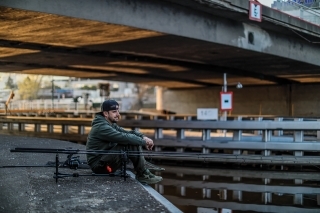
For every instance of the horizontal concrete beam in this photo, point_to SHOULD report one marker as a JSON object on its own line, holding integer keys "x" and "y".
{"x": 242, "y": 145}
{"x": 249, "y": 159}
{"x": 154, "y": 124}
{"x": 228, "y": 125}
{"x": 245, "y": 207}
{"x": 172, "y": 18}
{"x": 161, "y": 74}
{"x": 245, "y": 173}
{"x": 242, "y": 187}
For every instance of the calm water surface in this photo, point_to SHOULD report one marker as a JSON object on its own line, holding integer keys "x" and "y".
{"x": 218, "y": 190}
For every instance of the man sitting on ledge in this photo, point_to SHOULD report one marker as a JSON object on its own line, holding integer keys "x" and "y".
{"x": 105, "y": 134}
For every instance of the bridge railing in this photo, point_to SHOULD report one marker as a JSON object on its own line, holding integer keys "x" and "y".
{"x": 200, "y": 136}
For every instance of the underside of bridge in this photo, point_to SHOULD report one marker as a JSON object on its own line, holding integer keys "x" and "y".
{"x": 42, "y": 43}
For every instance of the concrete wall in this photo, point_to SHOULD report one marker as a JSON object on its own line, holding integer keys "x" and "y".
{"x": 287, "y": 100}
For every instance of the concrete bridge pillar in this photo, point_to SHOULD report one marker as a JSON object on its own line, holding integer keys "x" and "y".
{"x": 159, "y": 96}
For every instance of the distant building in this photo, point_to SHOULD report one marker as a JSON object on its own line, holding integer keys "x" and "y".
{"x": 85, "y": 93}
{"x": 303, "y": 9}
{"x": 292, "y": 4}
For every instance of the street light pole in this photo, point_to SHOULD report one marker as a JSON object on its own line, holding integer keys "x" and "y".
{"x": 225, "y": 90}
{"x": 224, "y": 116}
{"x": 52, "y": 94}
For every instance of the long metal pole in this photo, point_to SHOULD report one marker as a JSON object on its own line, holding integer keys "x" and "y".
{"x": 225, "y": 90}
{"x": 52, "y": 94}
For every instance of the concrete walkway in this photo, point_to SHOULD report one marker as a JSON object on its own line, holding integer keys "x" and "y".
{"x": 33, "y": 189}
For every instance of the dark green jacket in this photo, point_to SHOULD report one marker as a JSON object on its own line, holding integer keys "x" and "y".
{"x": 104, "y": 136}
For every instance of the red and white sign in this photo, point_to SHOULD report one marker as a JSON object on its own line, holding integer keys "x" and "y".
{"x": 226, "y": 101}
{"x": 255, "y": 11}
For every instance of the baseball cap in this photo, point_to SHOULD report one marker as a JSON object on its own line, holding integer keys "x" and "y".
{"x": 109, "y": 105}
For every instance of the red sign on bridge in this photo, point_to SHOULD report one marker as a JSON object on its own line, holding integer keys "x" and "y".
{"x": 255, "y": 11}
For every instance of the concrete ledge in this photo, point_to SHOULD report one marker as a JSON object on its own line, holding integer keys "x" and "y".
{"x": 158, "y": 197}
{"x": 33, "y": 189}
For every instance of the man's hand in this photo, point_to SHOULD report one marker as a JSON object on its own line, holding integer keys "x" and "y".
{"x": 149, "y": 143}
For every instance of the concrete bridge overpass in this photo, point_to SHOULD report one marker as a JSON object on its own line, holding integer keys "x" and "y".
{"x": 170, "y": 43}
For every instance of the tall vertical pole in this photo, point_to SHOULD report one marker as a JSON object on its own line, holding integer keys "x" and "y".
{"x": 52, "y": 94}
{"x": 225, "y": 90}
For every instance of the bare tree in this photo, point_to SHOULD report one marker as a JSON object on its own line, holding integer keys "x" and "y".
{"x": 28, "y": 88}
{"x": 10, "y": 84}
{"x": 142, "y": 91}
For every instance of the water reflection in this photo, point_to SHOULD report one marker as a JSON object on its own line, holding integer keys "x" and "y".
{"x": 196, "y": 190}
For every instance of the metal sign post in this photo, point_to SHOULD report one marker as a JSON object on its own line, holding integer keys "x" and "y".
{"x": 223, "y": 108}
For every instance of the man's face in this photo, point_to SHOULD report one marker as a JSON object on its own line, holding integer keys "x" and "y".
{"x": 112, "y": 116}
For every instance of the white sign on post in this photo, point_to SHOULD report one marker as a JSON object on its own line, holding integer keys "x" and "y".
{"x": 255, "y": 11}
{"x": 226, "y": 101}
{"x": 207, "y": 114}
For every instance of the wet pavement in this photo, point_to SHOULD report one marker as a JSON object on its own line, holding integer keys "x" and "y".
{"x": 33, "y": 189}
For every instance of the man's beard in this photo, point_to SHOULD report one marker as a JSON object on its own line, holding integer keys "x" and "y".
{"x": 115, "y": 120}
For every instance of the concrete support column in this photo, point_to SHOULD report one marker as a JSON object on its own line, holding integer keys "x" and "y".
{"x": 205, "y": 150}
{"x": 298, "y": 199}
{"x": 258, "y": 132}
{"x": 266, "y": 137}
{"x": 158, "y": 133}
{"x": 318, "y": 132}
{"x": 266, "y": 181}
{"x": 205, "y": 177}
{"x": 10, "y": 126}
{"x": 298, "y": 137}
{"x": 50, "y": 128}
{"x": 278, "y": 132}
{"x": 180, "y": 134}
{"x": 206, "y": 134}
{"x": 21, "y": 127}
{"x": 206, "y": 193}
{"x": 81, "y": 130}
{"x": 138, "y": 117}
{"x": 65, "y": 129}
{"x": 181, "y": 149}
{"x": 37, "y": 127}
{"x": 182, "y": 188}
{"x": 160, "y": 189}
{"x": 182, "y": 191}
{"x": 159, "y": 98}
{"x": 157, "y": 149}
{"x": 237, "y": 136}
{"x": 223, "y": 194}
{"x": 266, "y": 197}
{"x": 237, "y": 195}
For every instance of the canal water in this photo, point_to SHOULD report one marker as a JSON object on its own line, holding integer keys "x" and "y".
{"x": 232, "y": 190}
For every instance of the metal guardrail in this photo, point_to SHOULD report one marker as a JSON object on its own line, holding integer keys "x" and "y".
{"x": 266, "y": 137}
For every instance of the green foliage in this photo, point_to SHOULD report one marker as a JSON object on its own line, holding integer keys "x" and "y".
{"x": 10, "y": 84}
{"x": 48, "y": 85}
{"x": 29, "y": 87}
{"x": 86, "y": 87}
